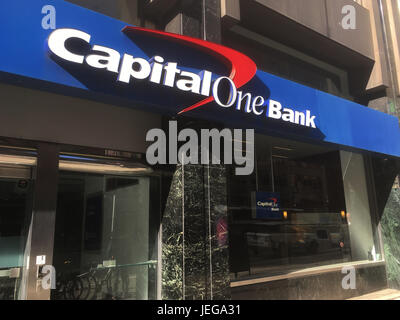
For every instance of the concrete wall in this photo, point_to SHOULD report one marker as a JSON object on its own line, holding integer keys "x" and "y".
{"x": 125, "y": 10}
{"x": 37, "y": 115}
{"x": 321, "y": 16}
{"x": 318, "y": 30}
{"x": 392, "y": 15}
{"x": 379, "y": 77}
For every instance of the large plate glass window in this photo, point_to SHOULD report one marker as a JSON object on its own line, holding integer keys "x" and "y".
{"x": 303, "y": 211}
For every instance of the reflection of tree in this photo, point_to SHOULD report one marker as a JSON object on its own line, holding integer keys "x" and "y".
{"x": 391, "y": 237}
{"x": 172, "y": 248}
{"x": 192, "y": 253}
{"x": 172, "y": 267}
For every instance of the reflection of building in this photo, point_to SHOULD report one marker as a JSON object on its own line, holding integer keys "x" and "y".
{"x": 76, "y": 159}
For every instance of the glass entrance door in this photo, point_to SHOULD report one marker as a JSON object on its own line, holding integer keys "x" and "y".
{"x": 103, "y": 246}
{"x": 16, "y": 187}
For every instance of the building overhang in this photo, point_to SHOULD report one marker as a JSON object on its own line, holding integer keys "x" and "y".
{"x": 318, "y": 31}
{"x": 97, "y": 57}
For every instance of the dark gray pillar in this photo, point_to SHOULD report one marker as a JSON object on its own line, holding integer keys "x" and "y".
{"x": 43, "y": 218}
{"x": 212, "y": 21}
{"x": 197, "y": 18}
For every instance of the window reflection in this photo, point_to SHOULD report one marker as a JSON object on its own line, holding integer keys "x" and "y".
{"x": 102, "y": 246}
{"x": 290, "y": 214}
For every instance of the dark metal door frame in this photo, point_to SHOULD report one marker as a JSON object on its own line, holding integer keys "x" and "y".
{"x": 42, "y": 225}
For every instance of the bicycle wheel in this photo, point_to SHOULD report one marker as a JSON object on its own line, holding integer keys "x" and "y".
{"x": 7, "y": 287}
{"x": 89, "y": 288}
{"x": 114, "y": 285}
{"x": 74, "y": 289}
{"x": 58, "y": 293}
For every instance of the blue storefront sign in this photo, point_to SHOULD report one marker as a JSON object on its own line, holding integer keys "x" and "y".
{"x": 266, "y": 205}
{"x": 93, "y": 56}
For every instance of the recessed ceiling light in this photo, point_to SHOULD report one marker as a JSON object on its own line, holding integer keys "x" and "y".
{"x": 283, "y": 157}
{"x": 283, "y": 148}
{"x": 101, "y": 168}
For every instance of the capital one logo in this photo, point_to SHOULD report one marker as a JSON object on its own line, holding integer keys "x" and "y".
{"x": 271, "y": 202}
{"x": 157, "y": 70}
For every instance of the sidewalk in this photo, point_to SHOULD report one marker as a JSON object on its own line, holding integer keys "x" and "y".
{"x": 386, "y": 294}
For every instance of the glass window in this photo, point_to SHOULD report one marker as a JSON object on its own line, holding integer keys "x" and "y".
{"x": 358, "y": 210}
{"x": 296, "y": 212}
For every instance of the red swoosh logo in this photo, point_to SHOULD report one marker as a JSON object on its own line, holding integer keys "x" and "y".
{"x": 274, "y": 199}
{"x": 242, "y": 67}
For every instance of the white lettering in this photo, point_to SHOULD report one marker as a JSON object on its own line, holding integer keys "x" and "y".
{"x": 206, "y": 82}
{"x": 193, "y": 84}
{"x": 310, "y": 120}
{"x": 257, "y": 102}
{"x": 57, "y": 41}
{"x": 300, "y": 118}
{"x": 274, "y": 109}
{"x": 128, "y": 71}
{"x": 109, "y": 62}
{"x": 156, "y": 69}
{"x": 288, "y": 115}
{"x": 232, "y": 92}
{"x": 240, "y": 98}
{"x": 168, "y": 74}
{"x": 172, "y": 71}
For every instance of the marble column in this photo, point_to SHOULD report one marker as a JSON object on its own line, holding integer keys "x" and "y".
{"x": 195, "y": 245}
{"x": 195, "y": 239}
{"x": 388, "y": 205}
